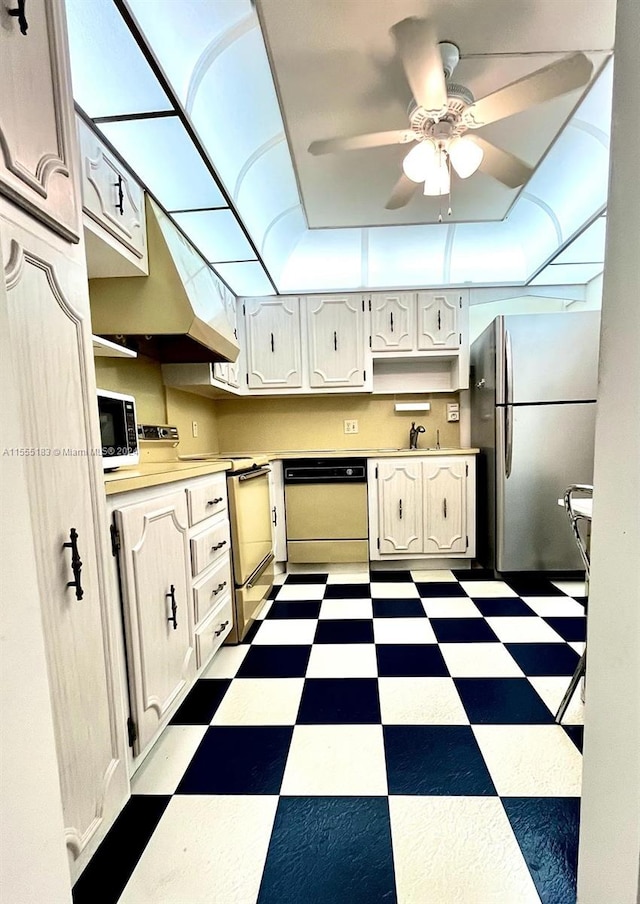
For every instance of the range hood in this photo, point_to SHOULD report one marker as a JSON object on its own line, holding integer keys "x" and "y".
{"x": 179, "y": 313}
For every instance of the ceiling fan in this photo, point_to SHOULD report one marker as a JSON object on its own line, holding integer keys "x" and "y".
{"x": 443, "y": 114}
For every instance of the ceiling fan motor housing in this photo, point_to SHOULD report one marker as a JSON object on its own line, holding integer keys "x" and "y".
{"x": 450, "y": 57}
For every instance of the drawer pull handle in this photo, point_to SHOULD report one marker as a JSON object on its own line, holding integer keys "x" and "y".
{"x": 444, "y": 507}
{"x": 221, "y": 628}
{"x": 174, "y": 607}
{"x": 219, "y": 588}
{"x": 76, "y": 563}
{"x": 273, "y": 348}
{"x": 400, "y": 509}
{"x": 335, "y": 341}
{"x": 214, "y": 501}
{"x": 439, "y": 321}
{"x": 391, "y": 319}
{"x": 120, "y": 201}
{"x": 20, "y": 16}
{"x": 218, "y": 545}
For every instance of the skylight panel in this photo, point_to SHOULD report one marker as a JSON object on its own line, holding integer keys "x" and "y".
{"x": 566, "y": 274}
{"x": 246, "y": 278}
{"x": 217, "y": 234}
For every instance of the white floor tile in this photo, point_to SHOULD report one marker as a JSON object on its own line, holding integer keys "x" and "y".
{"x": 487, "y": 589}
{"x": 286, "y": 631}
{"x": 292, "y": 592}
{"x": 336, "y": 760}
{"x": 342, "y": 660}
{"x": 354, "y": 574}
{"x": 260, "y": 701}
{"x": 205, "y": 849}
{"x": 578, "y": 646}
{"x": 346, "y": 609}
{"x": 479, "y": 660}
{"x": 552, "y": 690}
{"x": 403, "y": 630}
{"x": 562, "y": 606}
{"x": 420, "y": 701}
{"x": 226, "y": 662}
{"x": 571, "y": 588}
{"x": 531, "y": 760}
{"x": 450, "y": 607}
{"x": 523, "y": 629}
{"x": 457, "y": 850}
{"x": 163, "y": 768}
{"x": 385, "y": 590}
{"x": 438, "y": 575}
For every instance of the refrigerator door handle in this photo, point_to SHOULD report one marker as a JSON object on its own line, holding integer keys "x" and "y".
{"x": 508, "y": 362}
{"x": 508, "y": 411}
{"x": 508, "y": 424}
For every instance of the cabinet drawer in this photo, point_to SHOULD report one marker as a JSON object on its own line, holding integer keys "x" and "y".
{"x": 209, "y": 546}
{"x": 208, "y": 591}
{"x": 210, "y": 635}
{"x": 207, "y": 499}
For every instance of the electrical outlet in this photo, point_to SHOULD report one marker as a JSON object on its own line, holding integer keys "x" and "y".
{"x": 351, "y": 426}
{"x": 194, "y": 428}
{"x": 453, "y": 412}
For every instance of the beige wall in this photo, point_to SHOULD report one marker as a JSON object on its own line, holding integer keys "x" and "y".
{"x": 317, "y": 423}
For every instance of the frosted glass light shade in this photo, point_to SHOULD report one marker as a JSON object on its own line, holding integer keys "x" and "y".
{"x": 437, "y": 180}
{"x": 466, "y": 156}
{"x": 418, "y": 161}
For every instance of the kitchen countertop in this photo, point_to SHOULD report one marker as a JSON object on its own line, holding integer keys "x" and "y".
{"x": 158, "y": 473}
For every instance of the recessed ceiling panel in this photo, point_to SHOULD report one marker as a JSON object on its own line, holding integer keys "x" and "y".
{"x": 588, "y": 247}
{"x": 246, "y": 279}
{"x": 217, "y": 235}
{"x": 566, "y": 274}
{"x": 412, "y": 256}
{"x": 161, "y": 154}
{"x": 325, "y": 260}
{"x": 110, "y": 75}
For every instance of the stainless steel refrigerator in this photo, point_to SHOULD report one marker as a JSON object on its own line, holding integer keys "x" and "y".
{"x": 533, "y": 406}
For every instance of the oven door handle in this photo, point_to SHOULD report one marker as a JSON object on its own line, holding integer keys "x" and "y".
{"x": 259, "y": 472}
{"x": 255, "y": 574}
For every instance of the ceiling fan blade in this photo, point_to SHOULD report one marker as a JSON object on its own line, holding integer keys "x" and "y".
{"x": 503, "y": 166}
{"x": 361, "y": 142}
{"x": 402, "y": 193}
{"x": 544, "y": 84}
{"x": 418, "y": 48}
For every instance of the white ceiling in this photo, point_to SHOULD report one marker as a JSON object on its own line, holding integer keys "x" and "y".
{"x": 223, "y": 141}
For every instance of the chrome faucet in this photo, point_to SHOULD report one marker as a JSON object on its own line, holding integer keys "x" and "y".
{"x": 414, "y": 433}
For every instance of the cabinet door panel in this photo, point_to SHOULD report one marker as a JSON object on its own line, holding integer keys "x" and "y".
{"x": 438, "y": 320}
{"x": 50, "y": 334}
{"x": 273, "y": 343}
{"x": 445, "y": 516}
{"x": 336, "y": 341}
{"x": 36, "y": 118}
{"x": 393, "y": 326}
{"x": 154, "y": 564}
{"x": 400, "y": 507}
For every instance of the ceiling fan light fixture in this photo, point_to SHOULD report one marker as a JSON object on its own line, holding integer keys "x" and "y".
{"x": 419, "y": 161}
{"x": 466, "y": 156}
{"x": 437, "y": 180}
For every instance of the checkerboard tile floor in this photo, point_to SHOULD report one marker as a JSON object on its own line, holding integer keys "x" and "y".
{"x": 379, "y": 737}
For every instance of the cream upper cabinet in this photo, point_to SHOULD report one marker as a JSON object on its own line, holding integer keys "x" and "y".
{"x": 335, "y": 328}
{"x": 114, "y": 211}
{"x": 158, "y": 608}
{"x": 438, "y": 320}
{"x": 399, "y": 506}
{"x": 445, "y": 515}
{"x": 273, "y": 343}
{"x": 393, "y": 322}
{"x": 36, "y": 118}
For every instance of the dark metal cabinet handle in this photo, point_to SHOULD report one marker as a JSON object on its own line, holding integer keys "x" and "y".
{"x": 174, "y": 607}
{"x": 335, "y": 341}
{"x": 400, "y": 509}
{"x": 444, "y": 507}
{"x": 272, "y": 344}
{"x": 120, "y": 201}
{"x": 219, "y": 588}
{"x": 439, "y": 320}
{"x": 76, "y": 563}
{"x": 391, "y": 320}
{"x": 221, "y": 628}
{"x": 18, "y": 12}
{"x": 275, "y": 516}
{"x": 215, "y": 501}
{"x": 218, "y": 545}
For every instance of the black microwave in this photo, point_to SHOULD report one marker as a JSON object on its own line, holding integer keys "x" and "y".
{"x": 118, "y": 429}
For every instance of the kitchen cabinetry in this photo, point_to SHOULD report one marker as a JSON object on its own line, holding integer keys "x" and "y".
{"x": 422, "y": 507}
{"x": 114, "y": 212}
{"x": 393, "y": 322}
{"x": 273, "y": 343}
{"x": 50, "y": 336}
{"x": 335, "y": 326}
{"x": 438, "y": 316}
{"x": 276, "y": 497}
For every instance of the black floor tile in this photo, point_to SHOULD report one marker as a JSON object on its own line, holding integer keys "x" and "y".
{"x": 573, "y": 629}
{"x": 282, "y": 661}
{"x": 576, "y": 733}
{"x": 502, "y": 701}
{"x": 302, "y": 609}
{"x": 251, "y": 633}
{"x": 202, "y": 701}
{"x": 436, "y": 589}
{"x": 505, "y": 605}
{"x": 532, "y": 585}
{"x": 330, "y": 849}
{"x": 339, "y": 701}
{"x": 410, "y": 660}
{"x": 544, "y": 658}
{"x": 474, "y": 574}
{"x": 109, "y": 870}
{"x": 347, "y": 591}
{"x": 435, "y": 759}
{"x": 462, "y": 630}
{"x": 398, "y": 608}
{"x": 238, "y": 759}
{"x": 547, "y": 831}
{"x": 319, "y": 578}
{"x": 344, "y": 630}
{"x": 391, "y": 576}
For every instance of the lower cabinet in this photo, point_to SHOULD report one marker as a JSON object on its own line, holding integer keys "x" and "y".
{"x": 422, "y": 507}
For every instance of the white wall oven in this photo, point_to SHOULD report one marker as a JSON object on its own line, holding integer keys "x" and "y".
{"x": 118, "y": 429}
